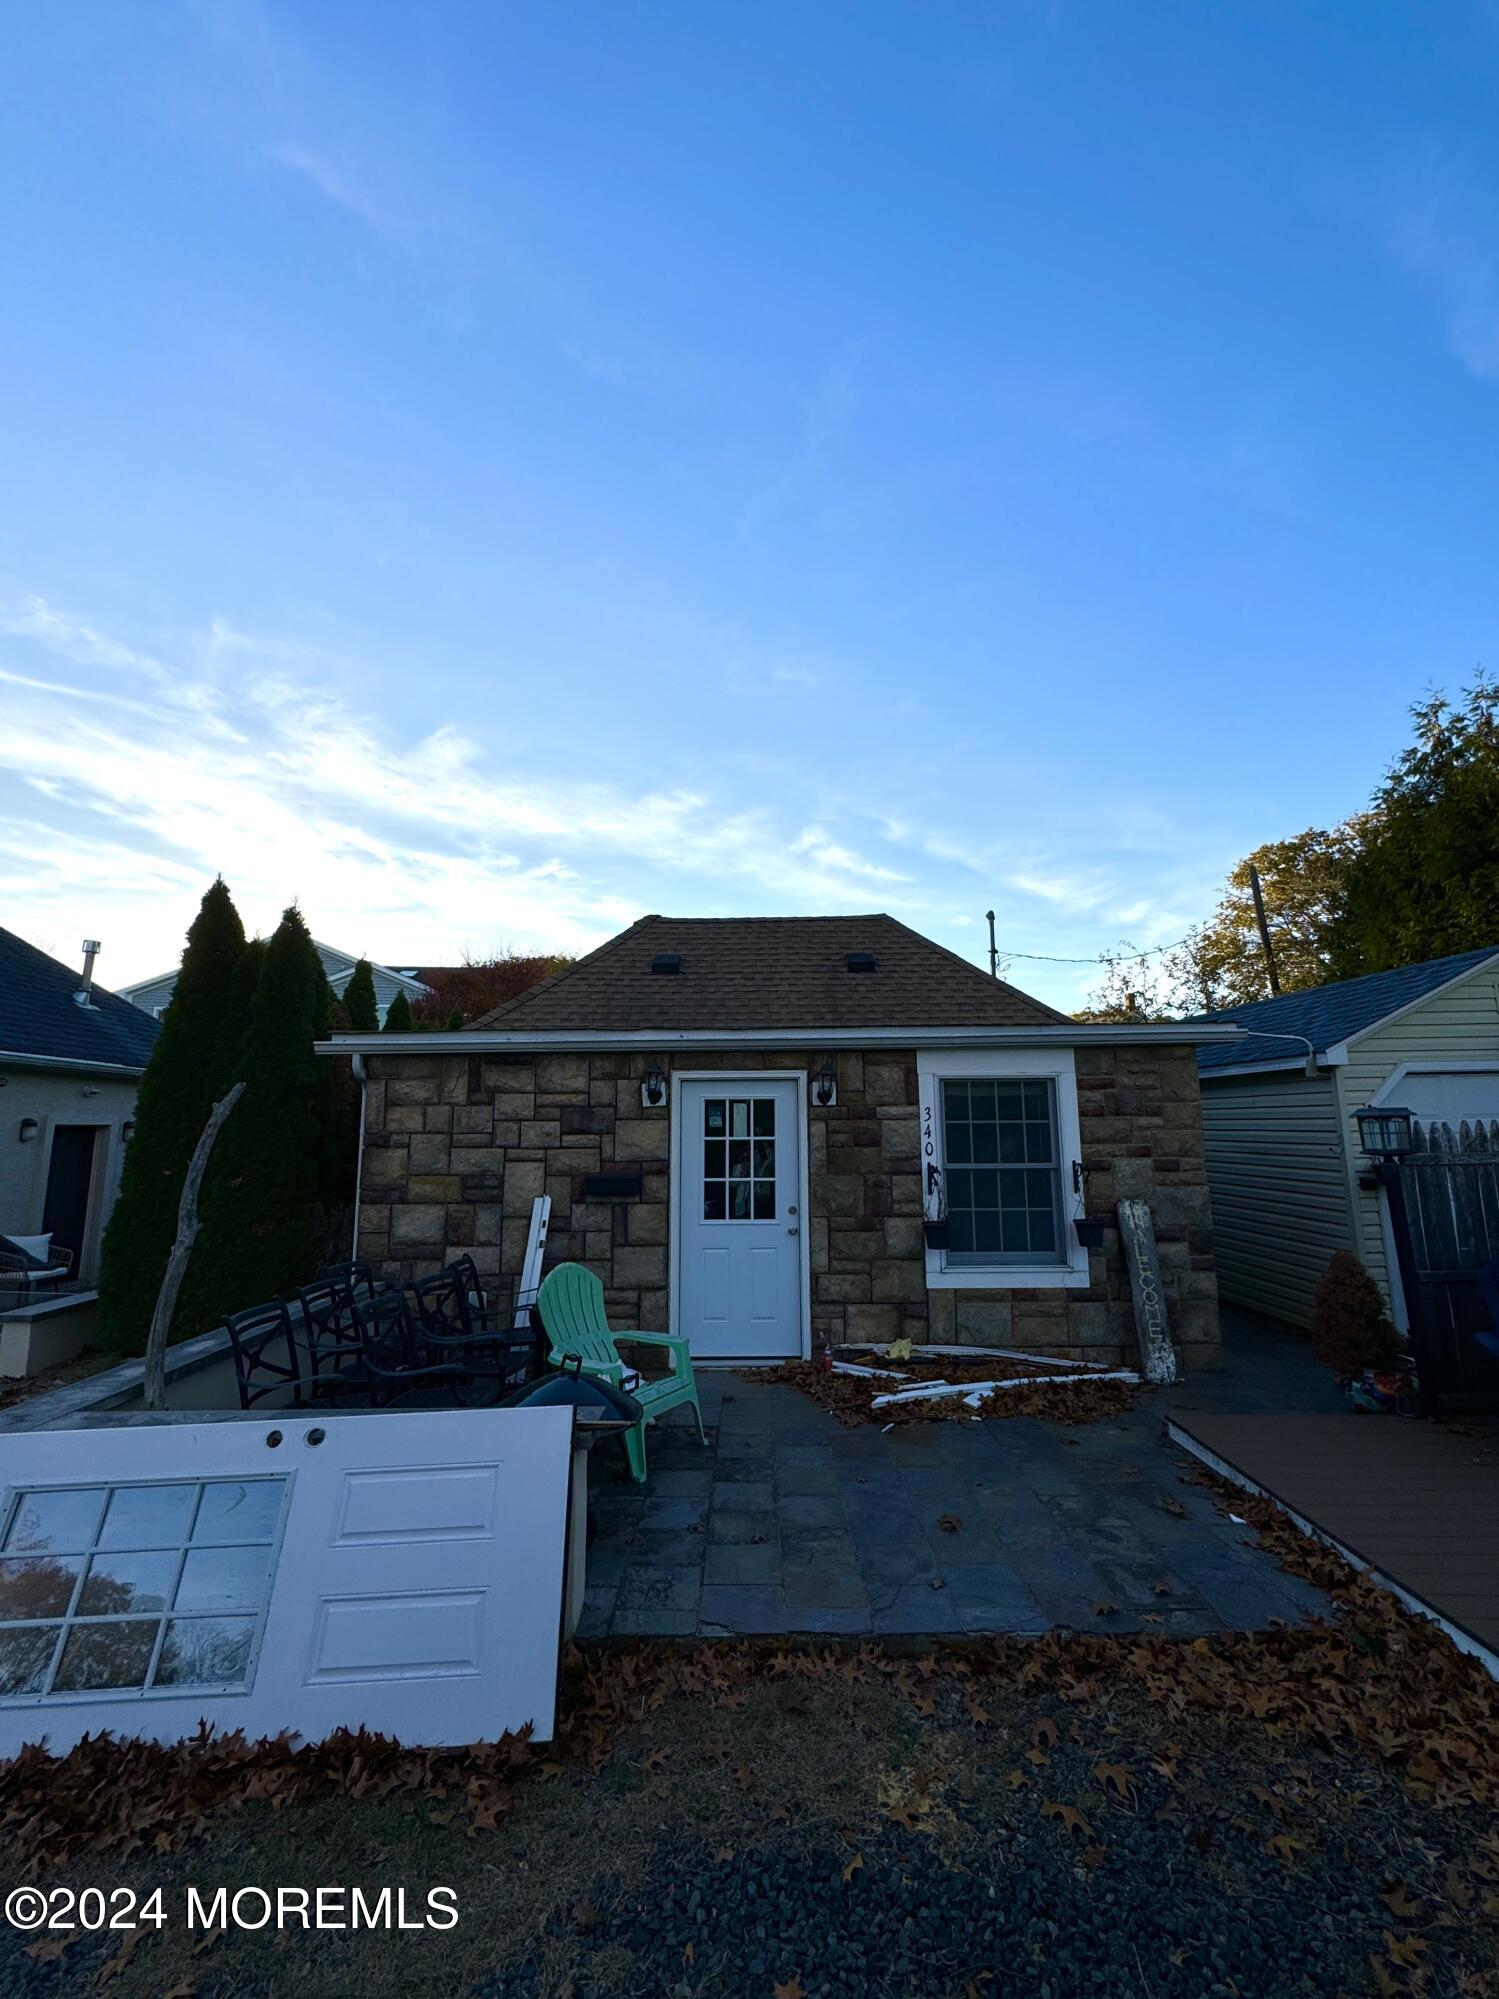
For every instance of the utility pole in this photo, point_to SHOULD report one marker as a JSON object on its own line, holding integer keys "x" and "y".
{"x": 1259, "y": 912}
{"x": 993, "y": 947}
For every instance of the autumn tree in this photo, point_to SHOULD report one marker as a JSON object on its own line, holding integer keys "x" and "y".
{"x": 478, "y": 985}
{"x": 1134, "y": 987}
{"x": 1426, "y": 883}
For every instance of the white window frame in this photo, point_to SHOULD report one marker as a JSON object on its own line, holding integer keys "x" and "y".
{"x": 936, "y": 1066}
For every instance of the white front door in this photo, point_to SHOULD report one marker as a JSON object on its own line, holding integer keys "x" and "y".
{"x": 739, "y": 1220}
{"x": 400, "y": 1571}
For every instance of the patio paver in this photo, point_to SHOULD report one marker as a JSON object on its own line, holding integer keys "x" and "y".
{"x": 786, "y": 1522}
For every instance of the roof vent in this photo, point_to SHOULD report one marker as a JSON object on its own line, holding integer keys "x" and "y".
{"x": 668, "y": 963}
{"x": 860, "y": 961}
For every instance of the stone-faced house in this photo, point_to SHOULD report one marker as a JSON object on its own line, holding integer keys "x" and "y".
{"x": 745, "y": 1125}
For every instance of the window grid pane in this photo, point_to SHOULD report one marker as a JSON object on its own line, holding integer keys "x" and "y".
{"x": 135, "y": 1587}
{"x": 1003, "y": 1173}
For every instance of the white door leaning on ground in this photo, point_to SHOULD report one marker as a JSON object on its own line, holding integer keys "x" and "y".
{"x": 400, "y": 1571}
{"x": 738, "y": 1217}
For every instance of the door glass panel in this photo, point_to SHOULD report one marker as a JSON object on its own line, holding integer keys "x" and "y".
{"x": 739, "y": 1175}
{"x": 223, "y": 1579}
{"x": 106, "y": 1655}
{"x": 25, "y": 1654}
{"x": 148, "y": 1516}
{"x": 117, "y": 1583}
{"x": 54, "y": 1522}
{"x": 206, "y": 1551}
{"x": 205, "y": 1652}
{"x": 36, "y": 1586}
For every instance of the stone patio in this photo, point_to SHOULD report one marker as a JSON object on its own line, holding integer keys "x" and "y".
{"x": 789, "y": 1523}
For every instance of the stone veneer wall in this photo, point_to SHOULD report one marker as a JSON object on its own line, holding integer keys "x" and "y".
{"x": 457, "y": 1148}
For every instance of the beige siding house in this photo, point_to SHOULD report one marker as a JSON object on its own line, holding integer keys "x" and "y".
{"x": 1287, "y": 1176}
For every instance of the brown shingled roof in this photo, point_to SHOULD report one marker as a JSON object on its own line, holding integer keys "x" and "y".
{"x": 744, "y": 972}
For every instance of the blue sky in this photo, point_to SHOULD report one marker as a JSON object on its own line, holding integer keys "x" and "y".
{"x": 491, "y": 470}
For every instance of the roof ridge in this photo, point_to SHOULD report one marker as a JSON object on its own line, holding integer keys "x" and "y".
{"x": 977, "y": 970}
{"x": 548, "y": 985}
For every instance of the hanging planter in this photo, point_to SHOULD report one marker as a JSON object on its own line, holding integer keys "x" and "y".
{"x": 937, "y": 1232}
{"x": 1089, "y": 1232}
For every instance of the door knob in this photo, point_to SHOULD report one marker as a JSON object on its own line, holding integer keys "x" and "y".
{"x": 792, "y": 1230}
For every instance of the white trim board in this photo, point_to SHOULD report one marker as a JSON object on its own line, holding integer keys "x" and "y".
{"x": 586, "y": 1041}
{"x": 674, "y": 1201}
{"x": 1463, "y": 1640}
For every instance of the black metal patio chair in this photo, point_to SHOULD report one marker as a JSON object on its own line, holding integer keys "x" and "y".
{"x": 492, "y": 1358}
{"x": 331, "y": 1339}
{"x": 260, "y": 1370}
{"x": 392, "y": 1351}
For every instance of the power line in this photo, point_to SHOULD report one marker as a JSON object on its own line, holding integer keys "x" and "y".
{"x": 1104, "y": 958}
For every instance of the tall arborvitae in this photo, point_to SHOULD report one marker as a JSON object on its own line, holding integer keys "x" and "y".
{"x": 190, "y": 1066}
{"x": 359, "y": 1000}
{"x": 260, "y": 1195}
{"x": 398, "y": 1015}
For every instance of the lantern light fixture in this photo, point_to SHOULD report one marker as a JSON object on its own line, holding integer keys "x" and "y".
{"x": 1385, "y": 1131}
{"x": 29, "y": 1130}
{"x": 825, "y": 1085}
{"x": 653, "y": 1088}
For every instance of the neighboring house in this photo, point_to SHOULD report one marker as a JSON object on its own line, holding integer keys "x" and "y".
{"x": 152, "y": 995}
{"x": 71, "y": 1058}
{"x": 1283, "y": 1151}
{"x": 741, "y": 1122}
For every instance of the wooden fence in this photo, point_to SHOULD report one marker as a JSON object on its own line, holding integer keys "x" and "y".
{"x": 1452, "y": 1196}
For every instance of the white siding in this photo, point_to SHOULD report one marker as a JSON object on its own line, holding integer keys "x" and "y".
{"x": 1457, "y": 1024}
{"x": 1280, "y": 1192}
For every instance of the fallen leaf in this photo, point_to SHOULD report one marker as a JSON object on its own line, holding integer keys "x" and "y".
{"x": 1037, "y": 1756}
{"x": 1104, "y": 1609}
{"x": 1407, "y": 1951}
{"x": 1044, "y": 1733}
{"x": 654, "y": 1758}
{"x": 792, "y": 1989}
{"x": 1399, "y": 1903}
{"x": 1070, "y": 1816}
{"x": 1016, "y": 1779}
{"x": 949, "y": 1522}
{"x": 853, "y": 1867}
{"x": 724, "y": 1853}
{"x": 116, "y": 1964}
{"x": 1115, "y": 1777}
{"x": 1284, "y": 1847}
{"x": 1171, "y": 1504}
{"x": 48, "y": 1950}
{"x": 585, "y": 1915}
{"x": 689, "y": 1953}
{"x": 1161, "y": 1587}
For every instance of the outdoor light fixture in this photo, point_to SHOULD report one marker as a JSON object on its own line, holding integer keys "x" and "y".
{"x": 29, "y": 1129}
{"x": 825, "y": 1085}
{"x": 653, "y": 1088}
{"x": 1384, "y": 1132}
{"x": 127, "y": 1130}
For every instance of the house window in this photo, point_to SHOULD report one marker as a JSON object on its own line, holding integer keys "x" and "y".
{"x": 136, "y": 1588}
{"x": 1003, "y": 1181}
{"x": 739, "y": 1159}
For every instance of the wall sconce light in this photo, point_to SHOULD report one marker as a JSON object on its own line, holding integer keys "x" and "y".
{"x": 127, "y": 1130}
{"x": 653, "y": 1088}
{"x": 1385, "y": 1133}
{"x": 29, "y": 1130}
{"x": 825, "y": 1085}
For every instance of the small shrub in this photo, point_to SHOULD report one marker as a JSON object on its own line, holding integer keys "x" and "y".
{"x": 1351, "y": 1329}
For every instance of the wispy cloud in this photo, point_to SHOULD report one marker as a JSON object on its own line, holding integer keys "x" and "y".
{"x": 136, "y": 778}
{"x": 769, "y": 683}
{"x": 1438, "y": 235}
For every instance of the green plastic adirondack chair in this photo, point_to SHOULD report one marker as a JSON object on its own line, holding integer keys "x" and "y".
{"x": 571, "y": 1304}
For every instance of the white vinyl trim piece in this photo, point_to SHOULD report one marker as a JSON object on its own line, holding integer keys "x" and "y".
{"x": 562, "y": 1041}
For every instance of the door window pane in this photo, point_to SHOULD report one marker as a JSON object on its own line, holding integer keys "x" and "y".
{"x": 205, "y": 1652}
{"x": 223, "y": 1579}
{"x": 25, "y": 1655}
{"x": 117, "y": 1583}
{"x": 148, "y": 1516}
{"x": 59, "y": 1523}
{"x": 34, "y": 1586}
{"x": 234, "y": 1510}
{"x": 106, "y": 1655}
{"x": 739, "y": 1173}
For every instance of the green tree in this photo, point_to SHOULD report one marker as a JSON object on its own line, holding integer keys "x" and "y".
{"x": 1133, "y": 987}
{"x": 359, "y": 1000}
{"x": 191, "y": 1065}
{"x": 261, "y": 1192}
{"x": 1303, "y": 881}
{"x": 398, "y": 1015}
{"x": 1426, "y": 884}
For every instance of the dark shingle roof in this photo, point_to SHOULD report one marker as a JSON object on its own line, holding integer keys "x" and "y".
{"x": 1329, "y": 1014}
{"x": 39, "y": 1018}
{"x": 742, "y": 972}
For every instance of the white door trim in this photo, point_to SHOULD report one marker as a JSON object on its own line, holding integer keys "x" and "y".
{"x": 674, "y": 1169}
